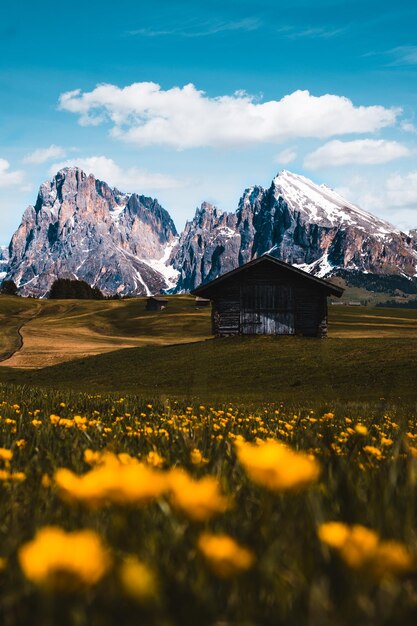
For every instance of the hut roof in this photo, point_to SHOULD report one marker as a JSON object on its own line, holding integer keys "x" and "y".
{"x": 206, "y": 289}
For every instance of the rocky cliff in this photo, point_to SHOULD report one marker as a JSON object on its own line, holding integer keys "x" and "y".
{"x": 81, "y": 228}
{"x": 304, "y": 224}
{"x": 4, "y": 261}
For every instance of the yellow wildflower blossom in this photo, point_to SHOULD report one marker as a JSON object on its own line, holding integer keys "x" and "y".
{"x": 361, "y": 548}
{"x": 138, "y": 580}
{"x": 112, "y": 482}
{"x": 198, "y": 499}
{"x": 154, "y": 459}
{"x": 196, "y": 457}
{"x": 61, "y": 560}
{"x": 224, "y": 555}
{"x": 5, "y": 454}
{"x": 373, "y": 451}
{"x": 361, "y": 429}
{"x": 328, "y": 416}
{"x": 386, "y": 441}
{"x": 275, "y": 466}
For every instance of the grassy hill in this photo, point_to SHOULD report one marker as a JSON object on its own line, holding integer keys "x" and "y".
{"x": 54, "y": 331}
{"x": 371, "y": 353}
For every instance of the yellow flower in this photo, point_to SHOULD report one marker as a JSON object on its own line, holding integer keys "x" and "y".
{"x": 334, "y": 534}
{"x": 61, "y": 560}
{"x": 373, "y": 451}
{"x": 112, "y": 483}
{"x": 361, "y": 548}
{"x": 3, "y": 563}
{"x": 197, "y": 458}
{"x": 386, "y": 441}
{"x": 224, "y": 555}
{"x": 45, "y": 481}
{"x": 198, "y": 499}
{"x": 5, "y": 454}
{"x": 138, "y": 580}
{"x": 12, "y": 476}
{"x": 92, "y": 456}
{"x": 328, "y": 416}
{"x": 361, "y": 429}
{"x": 392, "y": 559}
{"x": 154, "y": 459}
{"x": 275, "y": 466}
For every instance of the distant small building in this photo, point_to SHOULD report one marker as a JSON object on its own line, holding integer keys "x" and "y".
{"x": 156, "y": 303}
{"x": 354, "y": 303}
{"x": 202, "y": 302}
{"x": 268, "y": 297}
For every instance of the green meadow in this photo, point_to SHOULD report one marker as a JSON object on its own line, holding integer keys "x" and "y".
{"x": 118, "y": 346}
{"x": 150, "y": 474}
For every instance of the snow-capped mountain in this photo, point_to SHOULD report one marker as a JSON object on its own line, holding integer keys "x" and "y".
{"x": 305, "y": 224}
{"x": 81, "y": 228}
{"x": 128, "y": 244}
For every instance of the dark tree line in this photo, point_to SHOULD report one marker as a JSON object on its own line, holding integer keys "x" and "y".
{"x": 8, "y": 288}
{"x": 67, "y": 289}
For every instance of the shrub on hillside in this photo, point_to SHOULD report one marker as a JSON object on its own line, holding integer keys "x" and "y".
{"x": 8, "y": 288}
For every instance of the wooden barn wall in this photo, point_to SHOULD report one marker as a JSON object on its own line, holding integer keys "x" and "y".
{"x": 225, "y": 313}
{"x": 304, "y": 311}
{"x": 310, "y": 312}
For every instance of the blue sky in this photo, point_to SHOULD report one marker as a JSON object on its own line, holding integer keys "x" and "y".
{"x": 325, "y": 89}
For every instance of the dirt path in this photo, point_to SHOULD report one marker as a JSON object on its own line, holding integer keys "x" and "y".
{"x": 11, "y": 353}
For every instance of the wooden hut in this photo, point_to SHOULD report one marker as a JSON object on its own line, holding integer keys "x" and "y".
{"x": 268, "y": 297}
{"x": 156, "y": 303}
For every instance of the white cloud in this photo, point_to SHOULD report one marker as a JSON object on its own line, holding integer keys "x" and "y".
{"x": 185, "y": 117}
{"x": 361, "y": 151}
{"x": 199, "y": 29}
{"x": 394, "y": 197}
{"x": 132, "y": 179}
{"x": 404, "y": 55}
{"x": 286, "y": 156}
{"x": 8, "y": 178}
{"x": 41, "y": 155}
{"x": 402, "y": 190}
{"x": 311, "y": 32}
{"x": 408, "y": 127}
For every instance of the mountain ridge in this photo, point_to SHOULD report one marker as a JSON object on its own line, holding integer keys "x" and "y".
{"x": 128, "y": 244}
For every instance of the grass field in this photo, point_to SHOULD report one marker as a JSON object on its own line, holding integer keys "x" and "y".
{"x": 371, "y": 353}
{"x": 150, "y": 474}
{"x": 239, "y": 536}
{"x": 55, "y": 331}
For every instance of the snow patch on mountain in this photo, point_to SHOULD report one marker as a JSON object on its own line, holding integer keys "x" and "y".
{"x": 163, "y": 266}
{"x": 322, "y": 205}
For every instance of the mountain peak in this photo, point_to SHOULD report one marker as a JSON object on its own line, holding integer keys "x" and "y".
{"x": 324, "y": 205}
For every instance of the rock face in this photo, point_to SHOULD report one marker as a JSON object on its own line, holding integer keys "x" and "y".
{"x": 81, "y": 228}
{"x": 128, "y": 244}
{"x": 304, "y": 224}
{"x": 4, "y": 261}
